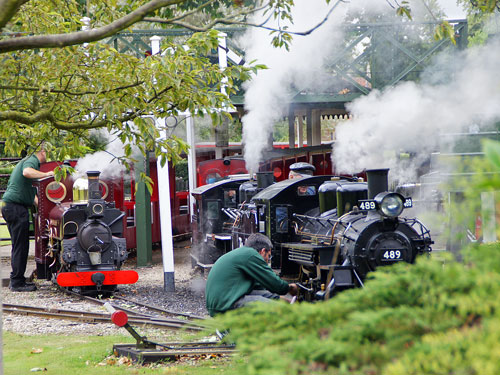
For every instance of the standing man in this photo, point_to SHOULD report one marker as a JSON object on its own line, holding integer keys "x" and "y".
{"x": 18, "y": 198}
{"x": 237, "y": 278}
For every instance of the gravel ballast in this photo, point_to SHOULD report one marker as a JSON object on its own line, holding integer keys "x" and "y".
{"x": 189, "y": 297}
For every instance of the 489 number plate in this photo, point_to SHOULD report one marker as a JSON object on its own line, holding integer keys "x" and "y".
{"x": 392, "y": 255}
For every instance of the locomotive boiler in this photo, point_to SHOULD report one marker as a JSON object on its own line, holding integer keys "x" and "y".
{"x": 79, "y": 238}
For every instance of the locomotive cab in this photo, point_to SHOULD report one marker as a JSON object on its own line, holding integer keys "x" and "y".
{"x": 211, "y": 236}
{"x": 277, "y": 203}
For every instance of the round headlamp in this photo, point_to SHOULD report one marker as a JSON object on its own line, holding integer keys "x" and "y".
{"x": 390, "y": 204}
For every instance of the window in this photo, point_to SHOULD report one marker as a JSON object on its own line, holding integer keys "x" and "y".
{"x": 281, "y": 219}
{"x": 306, "y": 190}
{"x": 213, "y": 210}
{"x": 230, "y": 198}
{"x": 213, "y": 177}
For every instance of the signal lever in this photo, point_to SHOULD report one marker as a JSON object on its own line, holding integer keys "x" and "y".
{"x": 120, "y": 318}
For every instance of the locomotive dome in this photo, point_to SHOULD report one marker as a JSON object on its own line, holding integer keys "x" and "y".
{"x": 81, "y": 190}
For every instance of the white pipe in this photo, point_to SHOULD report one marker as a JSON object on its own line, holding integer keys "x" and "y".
{"x": 167, "y": 240}
{"x": 155, "y": 44}
{"x": 191, "y": 161}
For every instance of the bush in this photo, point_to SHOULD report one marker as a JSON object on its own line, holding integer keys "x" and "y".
{"x": 404, "y": 313}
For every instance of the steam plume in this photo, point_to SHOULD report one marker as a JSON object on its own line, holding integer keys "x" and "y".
{"x": 104, "y": 161}
{"x": 268, "y": 94}
{"x": 412, "y": 117}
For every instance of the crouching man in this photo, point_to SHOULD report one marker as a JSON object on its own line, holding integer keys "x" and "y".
{"x": 243, "y": 276}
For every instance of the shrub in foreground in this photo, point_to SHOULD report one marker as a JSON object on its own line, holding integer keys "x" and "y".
{"x": 427, "y": 318}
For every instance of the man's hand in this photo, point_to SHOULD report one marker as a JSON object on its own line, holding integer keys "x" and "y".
{"x": 49, "y": 173}
{"x": 293, "y": 289}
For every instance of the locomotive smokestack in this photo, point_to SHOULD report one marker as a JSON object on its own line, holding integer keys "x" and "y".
{"x": 378, "y": 181}
{"x": 94, "y": 189}
{"x": 264, "y": 179}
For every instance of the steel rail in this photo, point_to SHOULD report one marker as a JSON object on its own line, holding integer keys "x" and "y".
{"x": 92, "y": 317}
{"x": 102, "y": 302}
{"x": 88, "y": 313}
{"x": 159, "y": 309}
{"x": 130, "y": 311}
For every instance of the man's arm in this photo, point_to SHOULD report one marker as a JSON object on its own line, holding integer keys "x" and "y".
{"x": 257, "y": 269}
{"x": 33, "y": 173}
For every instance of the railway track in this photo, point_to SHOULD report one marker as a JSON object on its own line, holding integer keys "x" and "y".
{"x": 113, "y": 302}
{"x": 92, "y": 317}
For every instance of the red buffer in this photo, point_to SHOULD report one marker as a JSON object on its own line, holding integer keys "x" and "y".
{"x": 87, "y": 279}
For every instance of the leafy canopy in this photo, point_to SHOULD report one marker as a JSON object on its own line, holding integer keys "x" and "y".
{"x": 59, "y": 83}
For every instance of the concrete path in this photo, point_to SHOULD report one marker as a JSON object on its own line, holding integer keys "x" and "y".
{"x": 5, "y": 262}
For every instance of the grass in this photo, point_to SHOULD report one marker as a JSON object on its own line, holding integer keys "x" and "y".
{"x": 83, "y": 355}
{"x": 4, "y": 232}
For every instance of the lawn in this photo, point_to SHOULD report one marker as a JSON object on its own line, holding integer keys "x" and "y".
{"x": 4, "y": 232}
{"x": 83, "y": 355}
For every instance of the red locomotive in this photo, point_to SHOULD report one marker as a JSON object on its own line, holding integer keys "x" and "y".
{"x": 79, "y": 238}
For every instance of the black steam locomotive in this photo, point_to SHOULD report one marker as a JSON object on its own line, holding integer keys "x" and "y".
{"x": 328, "y": 232}
{"x": 81, "y": 246}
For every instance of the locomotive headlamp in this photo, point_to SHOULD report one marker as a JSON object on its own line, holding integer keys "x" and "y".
{"x": 390, "y": 204}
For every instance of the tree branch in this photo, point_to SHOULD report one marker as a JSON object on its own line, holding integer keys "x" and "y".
{"x": 228, "y": 21}
{"x": 79, "y": 37}
{"x": 7, "y": 10}
{"x": 71, "y": 93}
{"x": 207, "y": 27}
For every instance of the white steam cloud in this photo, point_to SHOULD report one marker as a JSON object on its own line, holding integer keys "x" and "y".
{"x": 304, "y": 67}
{"x": 413, "y": 117}
{"x": 268, "y": 94}
{"x": 104, "y": 161}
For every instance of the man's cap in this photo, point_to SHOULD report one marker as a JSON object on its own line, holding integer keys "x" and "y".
{"x": 302, "y": 167}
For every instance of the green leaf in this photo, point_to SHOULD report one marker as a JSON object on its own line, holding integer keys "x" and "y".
{"x": 492, "y": 152}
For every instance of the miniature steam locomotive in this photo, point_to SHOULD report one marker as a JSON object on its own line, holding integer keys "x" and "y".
{"x": 328, "y": 232}
{"x": 79, "y": 236}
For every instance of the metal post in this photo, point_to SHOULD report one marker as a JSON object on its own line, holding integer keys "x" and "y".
{"x": 143, "y": 216}
{"x": 316, "y": 127}
{"x": 300, "y": 131}
{"x": 167, "y": 241}
{"x": 155, "y": 44}
{"x": 222, "y": 52}
{"x": 309, "y": 130}
{"x": 191, "y": 161}
{"x": 291, "y": 127}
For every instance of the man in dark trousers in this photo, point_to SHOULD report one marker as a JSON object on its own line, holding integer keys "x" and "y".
{"x": 237, "y": 277}
{"x": 17, "y": 199}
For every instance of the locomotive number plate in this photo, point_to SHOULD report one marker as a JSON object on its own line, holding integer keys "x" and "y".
{"x": 408, "y": 203}
{"x": 368, "y": 205}
{"x": 392, "y": 255}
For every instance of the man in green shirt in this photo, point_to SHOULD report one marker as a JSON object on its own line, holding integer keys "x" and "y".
{"x": 238, "y": 277}
{"x": 18, "y": 198}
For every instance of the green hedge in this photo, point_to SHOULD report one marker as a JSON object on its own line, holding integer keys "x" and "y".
{"x": 433, "y": 317}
